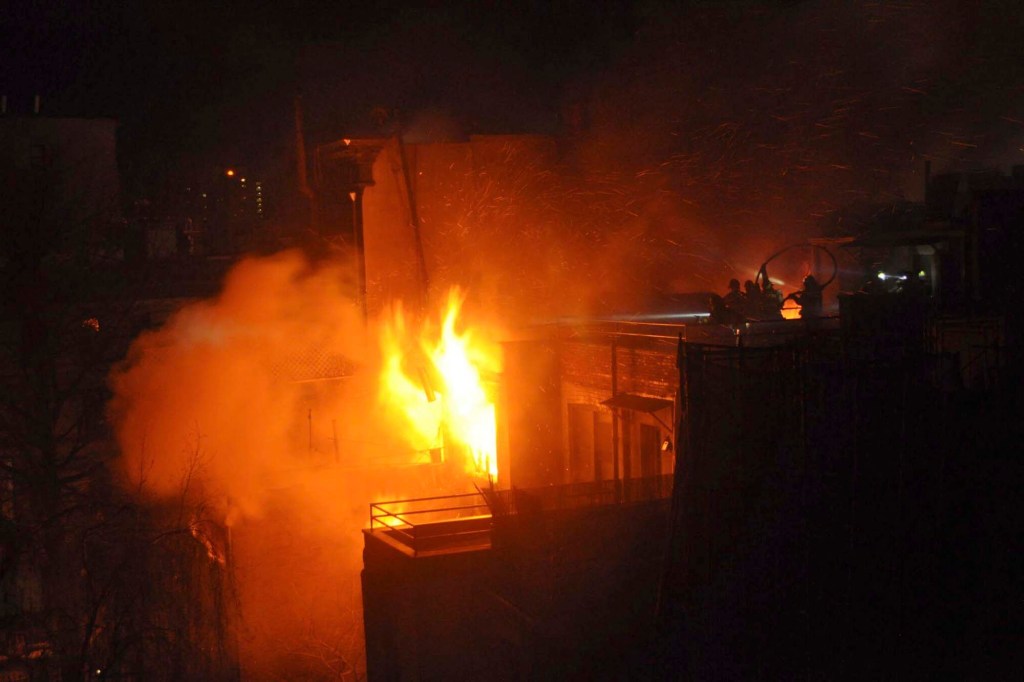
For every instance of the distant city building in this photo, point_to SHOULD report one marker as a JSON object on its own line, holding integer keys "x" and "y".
{"x": 62, "y": 173}
{"x": 221, "y": 214}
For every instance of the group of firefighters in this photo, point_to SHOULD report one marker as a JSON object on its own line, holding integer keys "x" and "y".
{"x": 762, "y": 301}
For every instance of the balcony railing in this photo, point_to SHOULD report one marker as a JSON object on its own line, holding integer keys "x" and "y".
{"x": 433, "y": 524}
{"x": 582, "y": 495}
{"x": 458, "y": 523}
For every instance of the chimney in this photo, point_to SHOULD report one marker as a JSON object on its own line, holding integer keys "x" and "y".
{"x": 35, "y": 105}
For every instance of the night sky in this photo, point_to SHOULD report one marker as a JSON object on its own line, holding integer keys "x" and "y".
{"x": 197, "y": 84}
{"x": 723, "y": 92}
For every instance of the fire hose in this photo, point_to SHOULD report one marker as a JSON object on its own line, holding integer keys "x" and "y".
{"x": 763, "y": 271}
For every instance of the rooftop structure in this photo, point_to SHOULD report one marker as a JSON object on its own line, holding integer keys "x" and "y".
{"x": 688, "y": 501}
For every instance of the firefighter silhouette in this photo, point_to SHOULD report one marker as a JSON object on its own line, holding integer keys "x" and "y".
{"x": 733, "y": 300}
{"x": 809, "y": 298}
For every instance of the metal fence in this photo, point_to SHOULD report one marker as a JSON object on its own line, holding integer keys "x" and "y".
{"x": 449, "y": 523}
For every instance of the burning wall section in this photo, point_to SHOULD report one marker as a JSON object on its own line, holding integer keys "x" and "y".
{"x": 441, "y": 202}
{"x": 526, "y": 233}
{"x": 215, "y": 416}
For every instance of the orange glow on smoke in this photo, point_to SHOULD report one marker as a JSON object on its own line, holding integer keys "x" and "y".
{"x": 434, "y": 381}
{"x": 257, "y": 410}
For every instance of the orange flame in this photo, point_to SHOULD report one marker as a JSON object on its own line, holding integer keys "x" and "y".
{"x": 422, "y": 416}
{"x": 438, "y": 389}
{"x": 790, "y": 310}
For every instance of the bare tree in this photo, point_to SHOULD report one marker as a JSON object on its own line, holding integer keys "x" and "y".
{"x": 94, "y": 581}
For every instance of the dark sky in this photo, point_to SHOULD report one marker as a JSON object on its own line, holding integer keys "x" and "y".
{"x": 718, "y": 88}
{"x": 195, "y": 84}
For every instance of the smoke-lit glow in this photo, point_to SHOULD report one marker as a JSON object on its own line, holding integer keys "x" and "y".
{"x": 257, "y": 410}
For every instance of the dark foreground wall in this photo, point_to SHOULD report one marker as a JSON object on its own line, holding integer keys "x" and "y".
{"x": 429, "y": 618}
{"x": 561, "y": 595}
{"x": 843, "y": 511}
{"x": 843, "y": 517}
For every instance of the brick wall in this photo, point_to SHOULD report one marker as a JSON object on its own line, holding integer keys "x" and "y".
{"x": 587, "y": 377}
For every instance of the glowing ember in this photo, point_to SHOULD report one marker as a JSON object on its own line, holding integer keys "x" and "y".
{"x": 791, "y": 311}
{"x": 439, "y": 390}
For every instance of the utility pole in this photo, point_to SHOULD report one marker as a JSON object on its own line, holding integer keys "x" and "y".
{"x": 356, "y": 195}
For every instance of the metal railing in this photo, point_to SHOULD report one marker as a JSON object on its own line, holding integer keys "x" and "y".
{"x": 749, "y": 333}
{"x": 582, "y": 495}
{"x": 452, "y": 523}
{"x": 421, "y": 510}
{"x": 424, "y": 524}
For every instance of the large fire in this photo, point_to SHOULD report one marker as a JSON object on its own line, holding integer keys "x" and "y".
{"x": 435, "y": 379}
{"x": 259, "y": 407}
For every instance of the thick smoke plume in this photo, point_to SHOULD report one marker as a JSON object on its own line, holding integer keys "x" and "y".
{"x": 258, "y": 410}
{"x": 217, "y": 381}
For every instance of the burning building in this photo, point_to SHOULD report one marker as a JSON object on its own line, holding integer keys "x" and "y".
{"x": 762, "y": 501}
{"x": 804, "y": 520}
{"x": 583, "y": 496}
